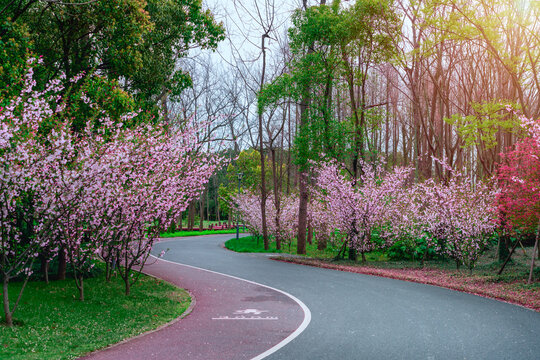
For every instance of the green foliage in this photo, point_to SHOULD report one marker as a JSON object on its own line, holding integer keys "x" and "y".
{"x": 410, "y": 250}
{"x": 325, "y": 42}
{"x": 136, "y": 41}
{"x": 487, "y": 120}
{"x": 103, "y": 91}
{"x": 177, "y": 26}
{"x": 103, "y": 35}
{"x": 321, "y": 139}
{"x": 51, "y": 324}
{"x": 369, "y": 27}
{"x": 14, "y": 52}
{"x": 281, "y": 87}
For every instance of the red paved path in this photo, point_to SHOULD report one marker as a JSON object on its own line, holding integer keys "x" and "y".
{"x": 202, "y": 334}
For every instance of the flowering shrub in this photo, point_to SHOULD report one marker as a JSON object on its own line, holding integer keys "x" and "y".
{"x": 249, "y": 208}
{"x": 519, "y": 179}
{"x": 323, "y": 222}
{"x": 282, "y": 225}
{"x": 454, "y": 218}
{"x": 359, "y": 208}
{"x": 459, "y": 218}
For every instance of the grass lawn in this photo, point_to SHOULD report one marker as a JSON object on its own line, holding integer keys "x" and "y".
{"x": 197, "y": 233}
{"x": 252, "y": 244}
{"x": 509, "y": 286}
{"x": 52, "y": 324}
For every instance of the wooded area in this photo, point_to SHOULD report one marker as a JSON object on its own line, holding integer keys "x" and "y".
{"x": 409, "y": 83}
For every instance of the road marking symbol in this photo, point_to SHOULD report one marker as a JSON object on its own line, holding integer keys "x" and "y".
{"x": 242, "y": 317}
{"x": 250, "y": 311}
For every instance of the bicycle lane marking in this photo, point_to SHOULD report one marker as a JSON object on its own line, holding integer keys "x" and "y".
{"x": 288, "y": 339}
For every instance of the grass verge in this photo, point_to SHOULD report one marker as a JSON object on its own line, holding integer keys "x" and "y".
{"x": 255, "y": 244}
{"x": 510, "y": 286}
{"x": 197, "y": 233}
{"x": 52, "y": 324}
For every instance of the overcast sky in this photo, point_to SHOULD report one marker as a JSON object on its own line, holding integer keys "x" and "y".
{"x": 242, "y": 23}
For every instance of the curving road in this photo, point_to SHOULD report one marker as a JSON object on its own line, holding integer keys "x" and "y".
{"x": 365, "y": 317}
{"x": 352, "y": 316}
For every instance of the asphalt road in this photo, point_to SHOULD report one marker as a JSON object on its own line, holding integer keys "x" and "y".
{"x": 357, "y": 316}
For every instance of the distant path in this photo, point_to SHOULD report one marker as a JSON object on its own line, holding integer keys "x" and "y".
{"x": 353, "y": 316}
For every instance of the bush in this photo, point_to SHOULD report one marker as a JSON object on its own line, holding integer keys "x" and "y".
{"x": 410, "y": 249}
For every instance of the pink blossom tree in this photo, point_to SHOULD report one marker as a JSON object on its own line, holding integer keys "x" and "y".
{"x": 154, "y": 176}
{"x": 249, "y": 207}
{"x": 359, "y": 208}
{"x": 323, "y": 222}
{"x": 455, "y": 217}
{"x": 283, "y": 226}
{"x": 25, "y": 209}
{"x": 460, "y": 218}
{"x": 105, "y": 188}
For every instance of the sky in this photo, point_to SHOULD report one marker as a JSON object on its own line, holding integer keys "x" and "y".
{"x": 243, "y": 24}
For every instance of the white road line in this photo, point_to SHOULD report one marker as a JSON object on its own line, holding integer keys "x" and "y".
{"x": 282, "y": 343}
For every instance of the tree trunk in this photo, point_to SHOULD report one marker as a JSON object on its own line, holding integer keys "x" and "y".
{"x": 302, "y": 172}
{"x": 508, "y": 258}
{"x": 535, "y": 249}
{"x": 277, "y": 191}
{"x": 261, "y": 150}
{"x": 321, "y": 242}
{"x": 302, "y": 212}
{"x": 127, "y": 286}
{"x": 191, "y": 216}
{"x": 172, "y": 226}
{"x": 79, "y": 281}
{"x": 503, "y": 247}
{"x": 7, "y": 314}
{"x": 353, "y": 255}
{"x": 201, "y": 212}
{"x": 44, "y": 267}
{"x": 216, "y": 200}
{"x": 278, "y": 242}
{"x": 62, "y": 264}
{"x": 107, "y": 271}
{"x": 180, "y": 221}
{"x": 46, "y": 272}
{"x": 309, "y": 233}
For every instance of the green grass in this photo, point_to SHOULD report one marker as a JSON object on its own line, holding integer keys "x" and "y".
{"x": 52, "y": 324}
{"x": 254, "y": 244}
{"x": 197, "y": 233}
